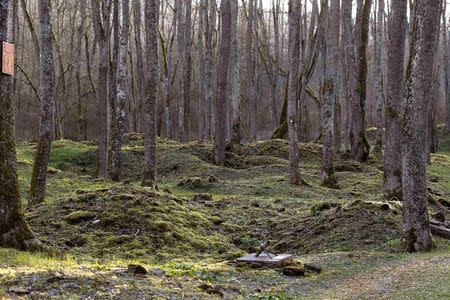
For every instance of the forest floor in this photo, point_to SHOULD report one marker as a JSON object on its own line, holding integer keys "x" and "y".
{"x": 187, "y": 233}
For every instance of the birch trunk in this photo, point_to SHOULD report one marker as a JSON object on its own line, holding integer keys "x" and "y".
{"x": 14, "y": 231}
{"x": 416, "y": 228}
{"x": 395, "y": 94}
{"x": 39, "y": 175}
{"x": 151, "y": 91}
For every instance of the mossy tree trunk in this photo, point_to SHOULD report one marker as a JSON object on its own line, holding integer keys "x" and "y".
{"x": 330, "y": 51}
{"x": 416, "y": 227}
{"x": 46, "y": 76}
{"x": 222, "y": 84}
{"x": 394, "y": 97}
{"x": 14, "y": 231}
{"x": 151, "y": 91}
{"x": 292, "y": 103}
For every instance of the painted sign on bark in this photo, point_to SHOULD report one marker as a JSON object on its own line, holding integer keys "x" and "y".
{"x": 8, "y": 59}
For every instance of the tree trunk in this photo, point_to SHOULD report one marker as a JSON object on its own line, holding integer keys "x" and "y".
{"x": 187, "y": 67}
{"x": 379, "y": 89}
{"x": 330, "y": 51}
{"x": 248, "y": 65}
{"x": 82, "y": 135}
{"x": 39, "y": 176}
{"x": 151, "y": 91}
{"x": 294, "y": 57}
{"x": 201, "y": 70}
{"x": 233, "y": 78}
{"x": 416, "y": 228}
{"x": 181, "y": 74}
{"x": 446, "y": 70}
{"x": 222, "y": 83}
{"x": 358, "y": 140}
{"x": 139, "y": 62}
{"x": 395, "y": 94}
{"x": 101, "y": 35}
{"x": 14, "y": 231}
{"x": 122, "y": 84}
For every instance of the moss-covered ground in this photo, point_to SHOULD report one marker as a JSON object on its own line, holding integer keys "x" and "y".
{"x": 188, "y": 231}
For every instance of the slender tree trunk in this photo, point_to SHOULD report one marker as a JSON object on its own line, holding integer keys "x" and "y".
{"x": 248, "y": 58}
{"x": 233, "y": 79}
{"x": 14, "y": 231}
{"x": 122, "y": 84}
{"x": 209, "y": 58}
{"x": 330, "y": 50}
{"x": 79, "y": 50}
{"x": 201, "y": 70}
{"x": 181, "y": 74}
{"x": 395, "y": 94}
{"x": 379, "y": 89}
{"x": 39, "y": 176}
{"x": 358, "y": 140}
{"x": 151, "y": 91}
{"x": 187, "y": 71}
{"x": 446, "y": 69}
{"x": 139, "y": 62}
{"x": 416, "y": 228}
{"x": 113, "y": 79}
{"x": 222, "y": 83}
{"x": 294, "y": 57}
{"x": 256, "y": 78}
{"x": 101, "y": 35}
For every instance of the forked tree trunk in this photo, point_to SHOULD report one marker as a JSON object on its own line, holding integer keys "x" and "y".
{"x": 394, "y": 98}
{"x": 122, "y": 83}
{"x": 294, "y": 57}
{"x": 416, "y": 227}
{"x": 222, "y": 83}
{"x": 14, "y": 231}
{"x": 39, "y": 176}
{"x": 151, "y": 91}
{"x": 330, "y": 50}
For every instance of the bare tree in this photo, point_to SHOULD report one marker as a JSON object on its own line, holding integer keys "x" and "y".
{"x": 379, "y": 89}
{"x": 222, "y": 83}
{"x": 330, "y": 49}
{"x": 101, "y": 24}
{"x": 39, "y": 176}
{"x": 187, "y": 71}
{"x": 14, "y": 231}
{"x": 151, "y": 91}
{"x": 395, "y": 94}
{"x": 122, "y": 83}
{"x": 294, "y": 57}
{"x": 416, "y": 228}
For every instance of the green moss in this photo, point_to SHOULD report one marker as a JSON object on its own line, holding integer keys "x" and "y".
{"x": 79, "y": 216}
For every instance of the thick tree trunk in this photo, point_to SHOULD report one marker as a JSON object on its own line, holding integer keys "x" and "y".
{"x": 330, "y": 51}
{"x": 294, "y": 57}
{"x": 358, "y": 140}
{"x": 14, "y": 231}
{"x": 122, "y": 84}
{"x": 151, "y": 91}
{"x": 102, "y": 34}
{"x": 39, "y": 176}
{"x": 222, "y": 83}
{"x": 379, "y": 89}
{"x": 395, "y": 94}
{"x": 416, "y": 228}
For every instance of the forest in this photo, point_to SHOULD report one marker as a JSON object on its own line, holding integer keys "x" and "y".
{"x": 224, "y": 149}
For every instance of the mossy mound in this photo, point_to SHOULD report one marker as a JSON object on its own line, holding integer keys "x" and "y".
{"x": 360, "y": 225}
{"x": 129, "y": 222}
{"x": 280, "y": 149}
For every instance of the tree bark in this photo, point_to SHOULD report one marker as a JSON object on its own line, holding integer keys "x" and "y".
{"x": 139, "y": 62}
{"x": 394, "y": 98}
{"x": 82, "y": 135}
{"x": 14, "y": 231}
{"x": 187, "y": 71}
{"x": 358, "y": 140}
{"x": 330, "y": 51}
{"x": 379, "y": 89}
{"x": 151, "y": 92}
{"x": 101, "y": 28}
{"x": 39, "y": 175}
{"x": 201, "y": 70}
{"x": 294, "y": 57}
{"x": 209, "y": 58}
{"x": 122, "y": 84}
{"x": 416, "y": 227}
{"x": 222, "y": 83}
